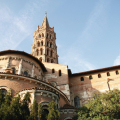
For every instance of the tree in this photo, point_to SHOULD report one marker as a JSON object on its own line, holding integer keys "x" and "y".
{"x": 34, "y": 111}
{"x": 53, "y": 112}
{"x": 104, "y": 106}
{"x": 41, "y": 115}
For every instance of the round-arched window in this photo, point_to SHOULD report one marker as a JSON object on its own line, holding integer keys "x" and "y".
{"x": 26, "y": 73}
{"x": 77, "y": 102}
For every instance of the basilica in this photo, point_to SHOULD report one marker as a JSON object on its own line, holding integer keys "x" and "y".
{"x": 40, "y": 74}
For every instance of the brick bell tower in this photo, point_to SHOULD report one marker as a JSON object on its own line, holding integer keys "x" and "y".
{"x": 44, "y": 45}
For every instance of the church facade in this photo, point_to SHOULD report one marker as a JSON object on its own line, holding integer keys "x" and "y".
{"x": 40, "y": 74}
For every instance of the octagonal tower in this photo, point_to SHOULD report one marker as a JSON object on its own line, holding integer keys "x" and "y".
{"x": 44, "y": 45}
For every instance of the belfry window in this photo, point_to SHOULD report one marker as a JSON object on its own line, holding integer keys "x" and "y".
{"x": 77, "y": 102}
{"x": 41, "y": 51}
{"x": 50, "y": 44}
{"x": 82, "y": 78}
{"x": 37, "y": 52}
{"x": 47, "y": 35}
{"x": 42, "y": 43}
{"x": 42, "y": 35}
{"x": 47, "y": 51}
{"x": 51, "y": 53}
{"x": 47, "y": 43}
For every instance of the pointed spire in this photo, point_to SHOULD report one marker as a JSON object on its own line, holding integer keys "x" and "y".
{"x": 45, "y": 21}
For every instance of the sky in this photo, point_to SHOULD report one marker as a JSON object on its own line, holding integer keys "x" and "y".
{"x": 87, "y": 31}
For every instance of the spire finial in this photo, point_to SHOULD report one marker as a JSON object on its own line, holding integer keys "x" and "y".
{"x": 45, "y": 13}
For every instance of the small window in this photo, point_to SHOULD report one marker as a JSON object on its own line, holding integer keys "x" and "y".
{"x": 42, "y": 43}
{"x": 39, "y": 36}
{"x": 4, "y": 91}
{"x": 47, "y": 43}
{"x": 77, "y": 102}
{"x": 47, "y": 35}
{"x": 48, "y": 60}
{"x": 42, "y": 35}
{"x": 37, "y": 52}
{"x": 82, "y": 78}
{"x": 117, "y": 72}
{"x": 90, "y": 77}
{"x": 50, "y": 44}
{"x": 60, "y": 73}
{"x": 51, "y": 61}
{"x": 53, "y": 71}
{"x": 40, "y": 59}
{"x": 25, "y": 73}
{"x": 99, "y": 75}
{"x": 47, "y": 51}
{"x": 51, "y": 53}
{"x": 13, "y": 70}
{"x": 108, "y": 74}
{"x": 35, "y": 77}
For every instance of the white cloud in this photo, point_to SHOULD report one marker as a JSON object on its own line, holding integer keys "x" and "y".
{"x": 76, "y": 62}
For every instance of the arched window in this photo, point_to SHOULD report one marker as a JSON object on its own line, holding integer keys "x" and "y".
{"x": 50, "y": 44}
{"x": 52, "y": 61}
{"x": 47, "y": 43}
{"x": 60, "y": 73}
{"x": 42, "y": 35}
{"x": 35, "y": 77}
{"x": 99, "y": 75}
{"x": 47, "y": 59}
{"x": 37, "y": 52}
{"x": 41, "y": 51}
{"x": 77, "y": 102}
{"x": 13, "y": 70}
{"x": 53, "y": 71}
{"x": 90, "y": 77}
{"x": 39, "y": 36}
{"x": 108, "y": 74}
{"x": 82, "y": 78}
{"x": 38, "y": 44}
{"x": 47, "y": 35}
{"x": 117, "y": 72}
{"x": 51, "y": 53}
{"x": 42, "y": 43}
{"x": 25, "y": 73}
{"x": 47, "y": 51}
{"x": 40, "y": 59}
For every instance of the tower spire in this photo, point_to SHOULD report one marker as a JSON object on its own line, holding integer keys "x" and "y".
{"x": 44, "y": 45}
{"x": 45, "y": 21}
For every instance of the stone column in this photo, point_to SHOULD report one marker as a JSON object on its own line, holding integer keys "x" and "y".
{"x": 32, "y": 71}
{"x": 8, "y": 63}
{"x": 20, "y": 67}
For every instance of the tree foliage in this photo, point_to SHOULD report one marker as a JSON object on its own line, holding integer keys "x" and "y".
{"x": 104, "y": 106}
{"x": 53, "y": 112}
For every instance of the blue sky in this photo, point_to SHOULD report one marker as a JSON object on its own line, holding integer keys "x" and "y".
{"x": 88, "y": 31}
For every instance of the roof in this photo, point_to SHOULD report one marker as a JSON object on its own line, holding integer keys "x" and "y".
{"x": 45, "y": 21}
{"x": 23, "y": 53}
{"x": 67, "y": 106}
{"x": 95, "y": 71}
